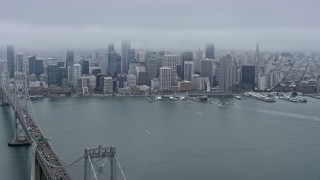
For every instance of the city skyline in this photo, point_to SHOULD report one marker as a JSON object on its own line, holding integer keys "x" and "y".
{"x": 284, "y": 25}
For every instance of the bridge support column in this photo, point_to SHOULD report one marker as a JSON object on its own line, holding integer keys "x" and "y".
{"x": 36, "y": 170}
{"x": 3, "y": 99}
{"x": 20, "y": 138}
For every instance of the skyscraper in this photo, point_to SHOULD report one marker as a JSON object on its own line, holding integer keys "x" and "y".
{"x": 53, "y": 74}
{"x": 186, "y": 56}
{"x": 70, "y": 58}
{"x": 257, "y": 64}
{"x": 10, "y": 60}
{"x": 188, "y": 70}
{"x": 125, "y": 47}
{"x": 171, "y": 62}
{"x": 227, "y": 73}
{"x": 19, "y": 62}
{"x": 209, "y": 51}
{"x": 113, "y": 61}
{"x": 207, "y": 69}
{"x": 248, "y": 75}
{"x": 76, "y": 73}
{"x": 151, "y": 68}
{"x": 85, "y": 67}
{"x": 39, "y": 69}
{"x": 31, "y": 65}
{"x": 166, "y": 78}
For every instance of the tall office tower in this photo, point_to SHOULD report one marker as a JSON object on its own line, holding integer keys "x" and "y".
{"x": 111, "y": 47}
{"x": 151, "y": 68}
{"x": 257, "y": 64}
{"x": 171, "y": 62}
{"x": 188, "y": 70}
{"x": 32, "y": 65}
{"x": 76, "y": 73}
{"x": 206, "y": 66}
{"x": 186, "y": 56}
{"x": 248, "y": 75}
{"x": 113, "y": 61}
{"x": 70, "y": 58}
{"x": 85, "y": 65}
{"x": 141, "y": 57}
{"x": 107, "y": 85}
{"x": 63, "y": 74}
{"x": 227, "y": 73}
{"x": 209, "y": 51}
{"x": 142, "y": 77}
{"x": 19, "y": 62}
{"x": 197, "y": 61}
{"x": 125, "y": 47}
{"x": 166, "y": 78}
{"x": 130, "y": 57}
{"x": 10, "y": 60}
{"x": 39, "y": 69}
{"x": 53, "y": 74}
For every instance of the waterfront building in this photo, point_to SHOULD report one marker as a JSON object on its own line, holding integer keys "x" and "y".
{"x": 70, "y": 58}
{"x": 19, "y": 63}
{"x": 131, "y": 80}
{"x": 155, "y": 83}
{"x": 63, "y": 74}
{"x": 10, "y": 60}
{"x": 227, "y": 73}
{"x": 209, "y": 51}
{"x": 108, "y": 85}
{"x": 185, "y": 85}
{"x": 188, "y": 70}
{"x": 262, "y": 82}
{"x": 152, "y": 67}
{"x": 166, "y": 78}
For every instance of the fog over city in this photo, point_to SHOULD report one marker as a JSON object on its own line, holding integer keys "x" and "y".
{"x": 165, "y": 24}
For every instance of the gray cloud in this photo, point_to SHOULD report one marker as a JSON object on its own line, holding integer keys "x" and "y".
{"x": 237, "y": 24}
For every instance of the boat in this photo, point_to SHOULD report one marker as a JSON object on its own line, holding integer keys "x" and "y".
{"x": 238, "y": 97}
{"x": 158, "y": 98}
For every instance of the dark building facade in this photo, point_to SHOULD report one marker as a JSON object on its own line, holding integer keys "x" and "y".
{"x": 10, "y": 60}
{"x": 39, "y": 69}
{"x": 85, "y": 67}
{"x": 209, "y": 51}
{"x": 70, "y": 58}
{"x": 186, "y": 56}
{"x": 53, "y": 74}
{"x": 248, "y": 75}
{"x": 113, "y": 62}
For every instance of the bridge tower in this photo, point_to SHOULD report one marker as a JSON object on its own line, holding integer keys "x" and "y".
{"x": 20, "y": 89}
{"x": 99, "y": 153}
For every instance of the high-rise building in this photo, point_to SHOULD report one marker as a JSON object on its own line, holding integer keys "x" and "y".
{"x": 70, "y": 58}
{"x": 76, "y": 73}
{"x": 111, "y": 47}
{"x": 60, "y": 64}
{"x": 248, "y": 75}
{"x": 108, "y": 85}
{"x": 197, "y": 61}
{"x": 257, "y": 64}
{"x": 130, "y": 57}
{"x": 53, "y": 74}
{"x": 206, "y": 66}
{"x": 125, "y": 47}
{"x": 227, "y": 73}
{"x": 166, "y": 78}
{"x": 186, "y": 56}
{"x": 63, "y": 74}
{"x": 188, "y": 70}
{"x": 151, "y": 68}
{"x": 209, "y": 51}
{"x": 85, "y": 67}
{"x": 19, "y": 63}
{"x": 32, "y": 64}
{"x": 171, "y": 62}
{"x": 39, "y": 69}
{"x": 113, "y": 61}
{"x": 10, "y": 60}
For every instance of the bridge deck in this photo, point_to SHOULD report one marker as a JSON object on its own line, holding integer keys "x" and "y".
{"x": 47, "y": 158}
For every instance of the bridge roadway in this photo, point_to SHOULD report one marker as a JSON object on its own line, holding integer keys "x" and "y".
{"x": 48, "y": 160}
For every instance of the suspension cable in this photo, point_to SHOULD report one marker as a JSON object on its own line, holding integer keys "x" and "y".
{"x": 94, "y": 173}
{"x": 124, "y": 177}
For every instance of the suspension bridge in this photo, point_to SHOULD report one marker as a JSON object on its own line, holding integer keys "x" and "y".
{"x": 46, "y": 164}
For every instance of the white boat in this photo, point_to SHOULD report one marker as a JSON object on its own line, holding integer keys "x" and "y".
{"x": 238, "y": 97}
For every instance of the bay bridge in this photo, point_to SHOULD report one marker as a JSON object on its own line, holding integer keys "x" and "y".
{"x": 46, "y": 164}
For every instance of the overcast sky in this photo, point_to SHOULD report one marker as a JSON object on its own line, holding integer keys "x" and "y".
{"x": 161, "y": 24}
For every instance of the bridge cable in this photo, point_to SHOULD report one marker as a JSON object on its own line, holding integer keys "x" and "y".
{"x": 124, "y": 177}
{"x": 94, "y": 173}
